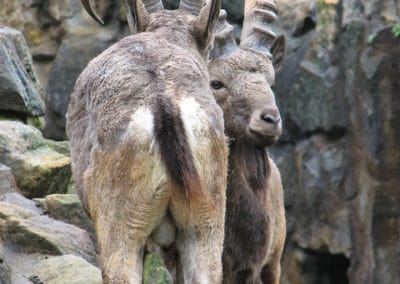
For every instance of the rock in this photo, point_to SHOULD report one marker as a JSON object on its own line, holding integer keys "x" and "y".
{"x": 24, "y": 231}
{"x": 10, "y": 211}
{"x": 37, "y": 168}
{"x": 296, "y": 17}
{"x": 8, "y": 183}
{"x": 19, "y": 200}
{"x": 5, "y": 272}
{"x": 67, "y": 269}
{"x": 20, "y": 91}
{"x": 72, "y": 57}
{"x": 318, "y": 191}
{"x": 67, "y": 208}
{"x": 154, "y": 270}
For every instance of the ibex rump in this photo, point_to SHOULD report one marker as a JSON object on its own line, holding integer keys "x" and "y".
{"x": 242, "y": 78}
{"x": 147, "y": 137}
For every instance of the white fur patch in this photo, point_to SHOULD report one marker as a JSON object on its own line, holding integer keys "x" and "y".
{"x": 195, "y": 121}
{"x": 141, "y": 125}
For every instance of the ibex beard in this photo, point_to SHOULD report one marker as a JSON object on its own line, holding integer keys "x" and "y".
{"x": 147, "y": 138}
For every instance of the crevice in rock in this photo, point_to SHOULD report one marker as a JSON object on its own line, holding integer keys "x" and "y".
{"x": 335, "y": 133}
{"x": 324, "y": 268}
{"x": 308, "y": 25}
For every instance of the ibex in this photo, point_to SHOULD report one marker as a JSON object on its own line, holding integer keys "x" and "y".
{"x": 242, "y": 78}
{"x": 147, "y": 137}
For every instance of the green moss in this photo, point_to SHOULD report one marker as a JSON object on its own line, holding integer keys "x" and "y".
{"x": 154, "y": 271}
{"x": 327, "y": 23}
{"x": 396, "y": 30}
{"x": 36, "y": 122}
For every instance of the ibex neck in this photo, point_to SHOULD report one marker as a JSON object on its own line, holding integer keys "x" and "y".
{"x": 248, "y": 166}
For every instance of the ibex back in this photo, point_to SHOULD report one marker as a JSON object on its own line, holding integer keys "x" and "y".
{"x": 147, "y": 137}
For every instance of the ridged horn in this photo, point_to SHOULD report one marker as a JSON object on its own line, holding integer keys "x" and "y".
{"x": 224, "y": 38}
{"x": 153, "y": 5}
{"x": 88, "y": 8}
{"x": 192, "y": 6}
{"x": 257, "y": 32}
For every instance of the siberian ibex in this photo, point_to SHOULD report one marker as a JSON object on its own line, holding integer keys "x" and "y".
{"x": 242, "y": 78}
{"x": 147, "y": 137}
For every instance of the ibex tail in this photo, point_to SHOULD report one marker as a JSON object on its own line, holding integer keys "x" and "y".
{"x": 174, "y": 148}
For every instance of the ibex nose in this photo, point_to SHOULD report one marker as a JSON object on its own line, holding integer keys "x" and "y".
{"x": 271, "y": 116}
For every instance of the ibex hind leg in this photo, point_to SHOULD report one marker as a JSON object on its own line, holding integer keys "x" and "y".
{"x": 122, "y": 239}
{"x": 199, "y": 242}
{"x": 129, "y": 206}
{"x": 200, "y": 222}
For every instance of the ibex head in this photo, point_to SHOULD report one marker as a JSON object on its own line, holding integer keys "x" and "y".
{"x": 242, "y": 77}
{"x": 143, "y": 16}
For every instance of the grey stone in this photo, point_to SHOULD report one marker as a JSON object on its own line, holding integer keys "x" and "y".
{"x": 20, "y": 91}
{"x": 8, "y": 183}
{"x": 67, "y": 269}
{"x": 24, "y": 231}
{"x": 67, "y": 208}
{"x": 37, "y": 168}
{"x": 19, "y": 200}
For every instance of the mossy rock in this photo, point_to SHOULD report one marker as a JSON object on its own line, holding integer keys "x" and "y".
{"x": 40, "y": 166}
{"x": 154, "y": 271}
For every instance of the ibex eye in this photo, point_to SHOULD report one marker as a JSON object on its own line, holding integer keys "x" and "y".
{"x": 216, "y": 85}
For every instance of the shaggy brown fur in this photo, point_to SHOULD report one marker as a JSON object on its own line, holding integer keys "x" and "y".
{"x": 147, "y": 138}
{"x": 255, "y": 226}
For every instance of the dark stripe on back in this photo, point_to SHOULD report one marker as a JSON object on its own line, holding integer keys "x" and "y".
{"x": 173, "y": 146}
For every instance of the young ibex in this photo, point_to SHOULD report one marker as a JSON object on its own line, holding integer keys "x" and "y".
{"x": 147, "y": 137}
{"x": 242, "y": 78}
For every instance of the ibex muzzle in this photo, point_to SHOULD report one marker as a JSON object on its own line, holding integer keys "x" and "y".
{"x": 147, "y": 139}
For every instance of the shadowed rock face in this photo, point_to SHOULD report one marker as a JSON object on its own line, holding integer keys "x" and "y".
{"x": 20, "y": 92}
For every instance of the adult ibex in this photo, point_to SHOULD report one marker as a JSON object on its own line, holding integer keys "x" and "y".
{"x": 242, "y": 78}
{"x": 147, "y": 137}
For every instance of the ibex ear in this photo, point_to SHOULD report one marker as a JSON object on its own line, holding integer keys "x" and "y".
{"x": 278, "y": 52}
{"x": 205, "y": 23}
{"x": 138, "y": 18}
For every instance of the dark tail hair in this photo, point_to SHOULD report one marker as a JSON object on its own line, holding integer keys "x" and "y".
{"x": 174, "y": 148}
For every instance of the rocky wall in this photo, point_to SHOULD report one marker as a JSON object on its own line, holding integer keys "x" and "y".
{"x": 339, "y": 156}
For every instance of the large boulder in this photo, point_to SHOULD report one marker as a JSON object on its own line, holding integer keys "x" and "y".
{"x": 37, "y": 167}
{"x": 67, "y": 208}
{"x": 24, "y": 231}
{"x": 20, "y": 91}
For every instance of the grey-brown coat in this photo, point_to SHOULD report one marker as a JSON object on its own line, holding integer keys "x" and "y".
{"x": 147, "y": 137}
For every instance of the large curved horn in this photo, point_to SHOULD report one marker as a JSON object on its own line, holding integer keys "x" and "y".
{"x": 224, "y": 38}
{"x": 137, "y": 15}
{"x": 192, "y": 6}
{"x": 88, "y": 8}
{"x": 151, "y": 6}
{"x": 258, "y": 17}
